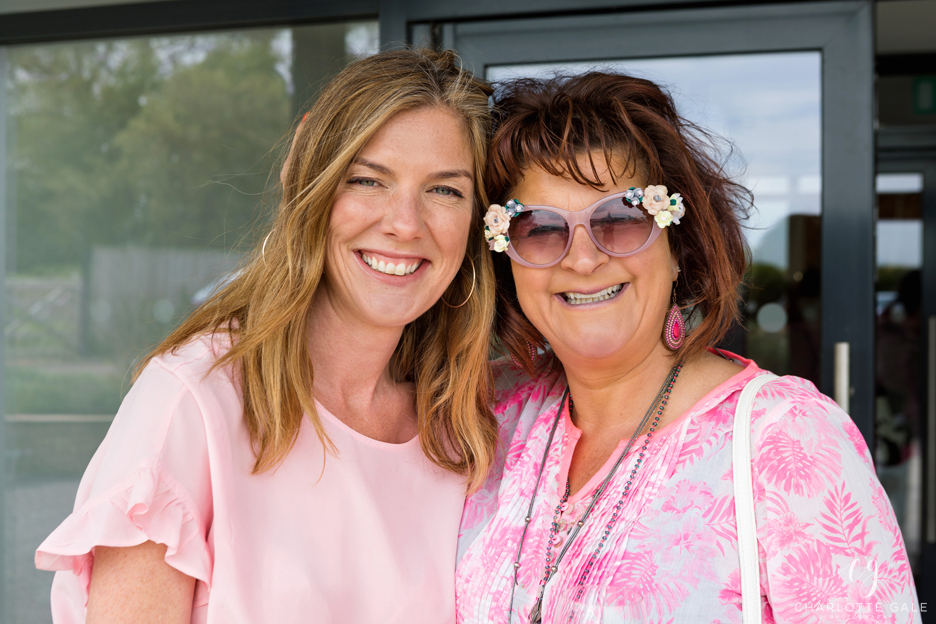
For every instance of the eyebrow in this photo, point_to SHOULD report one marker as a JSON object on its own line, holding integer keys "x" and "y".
{"x": 439, "y": 175}
{"x": 372, "y": 165}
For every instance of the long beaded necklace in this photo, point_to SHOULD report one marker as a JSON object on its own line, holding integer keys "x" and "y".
{"x": 658, "y": 405}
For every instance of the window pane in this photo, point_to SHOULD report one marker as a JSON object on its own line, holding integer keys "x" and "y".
{"x": 897, "y": 407}
{"x": 138, "y": 170}
{"x": 768, "y": 107}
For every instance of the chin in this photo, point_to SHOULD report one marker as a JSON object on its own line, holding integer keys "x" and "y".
{"x": 595, "y": 347}
{"x": 392, "y": 314}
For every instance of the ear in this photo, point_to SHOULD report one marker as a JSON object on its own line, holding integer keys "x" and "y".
{"x": 675, "y": 270}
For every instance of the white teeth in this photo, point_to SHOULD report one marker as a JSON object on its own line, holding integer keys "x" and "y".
{"x": 580, "y": 299}
{"x": 389, "y": 267}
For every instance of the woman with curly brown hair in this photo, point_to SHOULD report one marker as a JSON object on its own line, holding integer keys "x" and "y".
{"x": 621, "y": 496}
{"x": 299, "y": 449}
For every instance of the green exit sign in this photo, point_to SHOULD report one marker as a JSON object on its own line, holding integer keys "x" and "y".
{"x": 924, "y": 95}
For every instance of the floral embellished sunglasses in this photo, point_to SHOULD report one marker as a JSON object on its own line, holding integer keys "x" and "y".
{"x": 540, "y": 236}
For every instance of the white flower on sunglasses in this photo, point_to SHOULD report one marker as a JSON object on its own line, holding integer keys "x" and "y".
{"x": 665, "y": 208}
{"x": 497, "y": 220}
{"x": 676, "y": 207}
{"x": 663, "y": 218}
{"x": 655, "y": 199}
{"x": 499, "y": 243}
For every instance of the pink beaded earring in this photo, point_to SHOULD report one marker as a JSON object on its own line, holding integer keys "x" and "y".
{"x": 674, "y": 330}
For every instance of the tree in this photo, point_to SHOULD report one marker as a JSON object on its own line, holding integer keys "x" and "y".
{"x": 198, "y": 156}
{"x": 161, "y": 142}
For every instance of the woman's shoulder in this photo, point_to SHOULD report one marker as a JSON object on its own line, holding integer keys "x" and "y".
{"x": 193, "y": 368}
{"x": 788, "y": 404}
{"x": 791, "y": 411}
{"x": 179, "y": 395}
{"x": 197, "y": 357}
{"x": 788, "y": 410}
{"x": 181, "y": 387}
{"x": 778, "y": 390}
{"x": 787, "y": 396}
{"x": 801, "y": 440}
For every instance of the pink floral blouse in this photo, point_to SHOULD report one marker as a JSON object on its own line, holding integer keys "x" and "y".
{"x": 830, "y": 548}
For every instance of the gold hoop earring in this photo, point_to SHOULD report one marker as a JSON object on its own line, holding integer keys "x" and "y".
{"x": 263, "y": 247}
{"x": 471, "y": 292}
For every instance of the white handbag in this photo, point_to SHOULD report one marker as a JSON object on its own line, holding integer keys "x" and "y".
{"x": 744, "y": 501}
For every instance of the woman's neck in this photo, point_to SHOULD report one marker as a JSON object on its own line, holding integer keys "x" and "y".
{"x": 353, "y": 377}
{"x": 612, "y": 397}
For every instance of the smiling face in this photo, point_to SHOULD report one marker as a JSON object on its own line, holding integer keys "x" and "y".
{"x": 399, "y": 224}
{"x": 591, "y": 305}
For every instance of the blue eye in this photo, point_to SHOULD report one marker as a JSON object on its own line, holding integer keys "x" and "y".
{"x": 447, "y": 191}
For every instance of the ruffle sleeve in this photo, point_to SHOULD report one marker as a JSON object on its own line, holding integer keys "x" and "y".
{"x": 148, "y": 508}
{"x": 148, "y": 481}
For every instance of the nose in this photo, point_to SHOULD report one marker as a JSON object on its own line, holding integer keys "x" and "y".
{"x": 583, "y": 257}
{"x": 403, "y": 217}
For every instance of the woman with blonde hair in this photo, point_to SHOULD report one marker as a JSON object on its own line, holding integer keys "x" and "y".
{"x": 299, "y": 449}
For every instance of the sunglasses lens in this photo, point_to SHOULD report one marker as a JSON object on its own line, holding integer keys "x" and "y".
{"x": 538, "y": 236}
{"x": 620, "y": 227}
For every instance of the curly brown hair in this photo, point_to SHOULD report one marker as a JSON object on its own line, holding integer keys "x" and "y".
{"x": 551, "y": 123}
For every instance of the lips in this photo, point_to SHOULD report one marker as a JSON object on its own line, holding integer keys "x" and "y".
{"x": 575, "y": 298}
{"x": 391, "y": 266}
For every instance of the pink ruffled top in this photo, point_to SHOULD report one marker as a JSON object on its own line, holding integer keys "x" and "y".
{"x": 368, "y": 536}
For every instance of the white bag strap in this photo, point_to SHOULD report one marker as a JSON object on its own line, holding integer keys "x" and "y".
{"x": 744, "y": 501}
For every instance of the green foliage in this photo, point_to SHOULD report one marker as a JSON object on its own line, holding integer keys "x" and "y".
{"x": 889, "y": 277}
{"x": 155, "y": 142}
{"x": 767, "y": 283}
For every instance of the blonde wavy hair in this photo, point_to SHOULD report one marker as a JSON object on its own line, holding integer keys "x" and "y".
{"x": 263, "y": 310}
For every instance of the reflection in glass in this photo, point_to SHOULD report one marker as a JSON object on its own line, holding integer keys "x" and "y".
{"x": 768, "y": 106}
{"x": 899, "y": 334}
{"x": 138, "y": 169}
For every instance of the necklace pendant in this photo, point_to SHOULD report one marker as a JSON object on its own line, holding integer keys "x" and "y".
{"x": 536, "y": 616}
